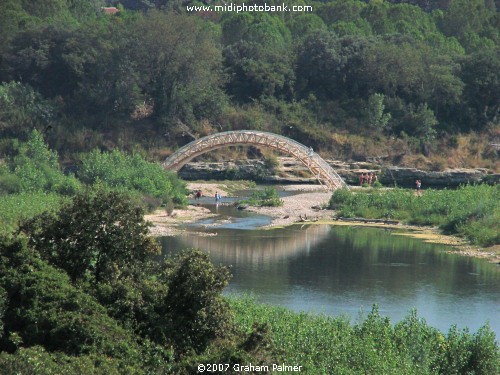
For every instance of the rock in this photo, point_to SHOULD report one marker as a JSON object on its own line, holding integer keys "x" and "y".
{"x": 449, "y": 178}
{"x": 292, "y": 171}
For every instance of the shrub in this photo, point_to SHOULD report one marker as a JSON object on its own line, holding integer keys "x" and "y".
{"x": 471, "y": 211}
{"x": 44, "y": 308}
{"x": 3, "y": 304}
{"x": 267, "y": 197}
{"x": 117, "y": 169}
{"x": 330, "y": 345}
{"x": 339, "y": 196}
{"x": 9, "y": 182}
{"x": 35, "y": 168}
{"x": 193, "y": 312}
{"x": 169, "y": 207}
{"x": 271, "y": 162}
{"x": 14, "y": 207}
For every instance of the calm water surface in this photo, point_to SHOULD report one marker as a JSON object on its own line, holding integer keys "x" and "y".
{"x": 345, "y": 270}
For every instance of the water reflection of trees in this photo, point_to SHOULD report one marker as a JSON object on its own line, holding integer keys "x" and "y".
{"x": 259, "y": 247}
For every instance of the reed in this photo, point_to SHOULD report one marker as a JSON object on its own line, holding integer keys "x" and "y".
{"x": 472, "y": 211}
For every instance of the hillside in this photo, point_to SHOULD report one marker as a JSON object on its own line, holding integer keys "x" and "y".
{"x": 409, "y": 81}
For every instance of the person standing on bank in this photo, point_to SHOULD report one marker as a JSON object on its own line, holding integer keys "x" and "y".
{"x": 418, "y": 183}
{"x": 310, "y": 152}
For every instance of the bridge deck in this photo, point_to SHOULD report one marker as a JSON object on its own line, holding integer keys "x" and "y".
{"x": 323, "y": 172}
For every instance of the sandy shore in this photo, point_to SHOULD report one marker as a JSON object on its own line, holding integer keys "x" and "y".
{"x": 165, "y": 225}
{"x": 307, "y": 205}
{"x": 296, "y": 208}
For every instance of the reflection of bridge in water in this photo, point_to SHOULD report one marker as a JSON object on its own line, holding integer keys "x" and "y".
{"x": 258, "y": 247}
{"x": 324, "y": 173}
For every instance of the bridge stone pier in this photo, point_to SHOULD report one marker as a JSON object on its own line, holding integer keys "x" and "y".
{"x": 323, "y": 172}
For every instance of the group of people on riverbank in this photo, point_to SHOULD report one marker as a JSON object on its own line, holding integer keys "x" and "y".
{"x": 368, "y": 178}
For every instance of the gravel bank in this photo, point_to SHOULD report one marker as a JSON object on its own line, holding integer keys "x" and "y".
{"x": 299, "y": 207}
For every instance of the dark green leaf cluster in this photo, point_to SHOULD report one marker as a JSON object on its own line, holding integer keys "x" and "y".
{"x": 140, "y": 315}
{"x": 81, "y": 290}
{"x": 96, "y": 236}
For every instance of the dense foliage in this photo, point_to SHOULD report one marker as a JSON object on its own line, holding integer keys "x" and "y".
{"x": 94, "y": 236}
{"x": 351, "y": 78}
{"x": 32, "y": 180}
{"x": 79, "y": 288}
{"x": 35, "y": 168}
{"x": 471, "y": 211}
{"x": 125, "y": 172}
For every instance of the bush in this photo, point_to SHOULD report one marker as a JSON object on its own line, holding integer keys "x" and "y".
{"x": 267, "y": 197}
{"x": 43, "y": 308}
{"x": 330, "y": 345}
{"x": 14, "y": 207}
{"x": 193, "y": 312}
{"x": 131, "y": 173}
{"x": 35, "y": 169}
{"x": 9, "y": 182}
{"x": 339, "y": 197}
{"x": 3, "y": 304}
{"x": 37, "y": 360}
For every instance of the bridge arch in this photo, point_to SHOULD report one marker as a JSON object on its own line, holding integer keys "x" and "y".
{"x": 323, "y": 172}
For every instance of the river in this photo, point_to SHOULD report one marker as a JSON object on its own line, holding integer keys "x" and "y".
{"x": 339, "y": 270}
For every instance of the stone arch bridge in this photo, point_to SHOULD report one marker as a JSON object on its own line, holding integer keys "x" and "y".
{"x": 324, "y": 173}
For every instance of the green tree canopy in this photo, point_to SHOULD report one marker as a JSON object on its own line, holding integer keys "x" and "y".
{"x": 99, "y": 235}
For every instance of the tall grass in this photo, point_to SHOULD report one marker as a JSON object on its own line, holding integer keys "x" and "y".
{"x": 472, "y": 211}
{"x": 333, "y": 345}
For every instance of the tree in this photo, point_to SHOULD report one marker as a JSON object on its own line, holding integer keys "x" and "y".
{"x": 43, "y": 308}
{"x": 257, "y": 56}
{"x": 37, "y": 57}
{"x": 377, "y": 119}
{"x": 36, "y": 168}
{"x": 99, "y": 235}
{"x": 419, "y": 122}
{"x": 482, "y": 87}
{"x": 464, "y": 18}
{"x": 180, "y": 67}
{"x": 22, "y": 109}
{"x": 3, "y": 305}
{"x": 118, "y": 170}
{"x": 318, "y": 65}
{"x": 193, "y": 312}
{"x": 305, "y": 23}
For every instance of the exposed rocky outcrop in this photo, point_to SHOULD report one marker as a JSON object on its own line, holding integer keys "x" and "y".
{"x": 292, "y": 171}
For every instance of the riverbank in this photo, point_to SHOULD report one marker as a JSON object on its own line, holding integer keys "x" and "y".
{"x": 169, "y": 225}
{"x": 308, "y": 207}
